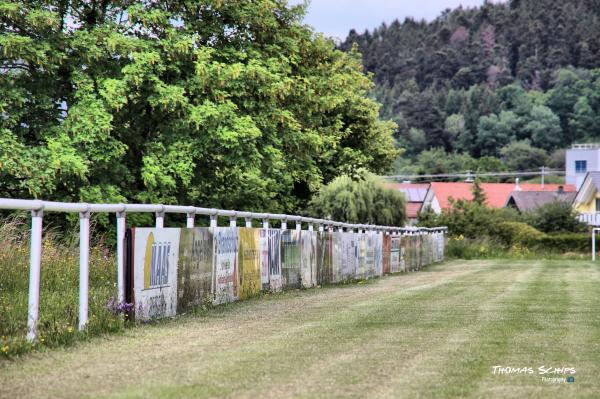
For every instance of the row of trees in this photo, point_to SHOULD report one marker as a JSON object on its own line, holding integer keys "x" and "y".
{"x": 219, "y": 103}
{"x": 475, "y": 81}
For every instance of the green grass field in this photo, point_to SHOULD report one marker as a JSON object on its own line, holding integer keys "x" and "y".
{"x": 435, "y": 333}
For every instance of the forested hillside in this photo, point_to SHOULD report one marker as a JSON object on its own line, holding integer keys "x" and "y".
{"x": 514, "y": 81}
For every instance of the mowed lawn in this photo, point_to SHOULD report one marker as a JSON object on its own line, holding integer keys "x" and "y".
{"x": 432, "y": 334}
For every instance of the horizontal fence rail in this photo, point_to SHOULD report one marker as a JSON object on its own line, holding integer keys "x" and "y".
{"x": 38, "y": 207}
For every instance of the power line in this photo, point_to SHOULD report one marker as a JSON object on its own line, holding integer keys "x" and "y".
{"x": 471, "y": 175}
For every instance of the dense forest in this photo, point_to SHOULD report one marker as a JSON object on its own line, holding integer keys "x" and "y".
{"x": 501, "y": 86}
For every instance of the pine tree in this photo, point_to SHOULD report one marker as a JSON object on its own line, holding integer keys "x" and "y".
{"x": 479, "y": 196}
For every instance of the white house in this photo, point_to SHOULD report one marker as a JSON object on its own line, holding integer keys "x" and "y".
{"x": 580, "y": 159}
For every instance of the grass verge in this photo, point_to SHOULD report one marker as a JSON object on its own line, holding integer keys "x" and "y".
{"x": 438, "y": 333}
{"x": 59, "y": 300}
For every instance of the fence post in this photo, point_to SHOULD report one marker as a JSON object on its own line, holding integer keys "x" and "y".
{"x": 35, "y": 264}
{"x": 160, "y": 219}
{"x": 248, "y": 222}
{"x": 284, "y": 224}
{"x": 265, "y": 224}
{"x": 213, "y": 220}
{"x": 84, "y": 267}
{"x": 593, "y": 244}
{"x": 191, "y": 220}
{"x": 310, "y": 227}
{"x": 232, "y": 221}
{"x": 121, "y": 227}
{"x": 298, "y": 225}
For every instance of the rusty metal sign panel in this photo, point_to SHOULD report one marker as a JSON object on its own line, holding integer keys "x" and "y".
{"x": 308, "y": 267}
{"x": 324, "y": 252}
{"x": 194, "y": 268}
{"x": 291, "y": 258}
{"x": 387, "y": 251}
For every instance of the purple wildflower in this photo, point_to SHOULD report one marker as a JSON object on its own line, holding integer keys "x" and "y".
{"x": 117, "y": 308}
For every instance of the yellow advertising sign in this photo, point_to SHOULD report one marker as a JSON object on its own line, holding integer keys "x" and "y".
{"x": 148, "y": 260}
{"x": 249, "y": 261}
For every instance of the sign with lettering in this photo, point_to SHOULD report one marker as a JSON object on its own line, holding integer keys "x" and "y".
{"x": 270, "y": 259}
{"x": 225, "y": 265}
{"x": 156, "y": 253}
{"x": 350, "y": 255}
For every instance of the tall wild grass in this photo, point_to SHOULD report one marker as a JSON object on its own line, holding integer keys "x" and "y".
{"x": 59, "y": 289}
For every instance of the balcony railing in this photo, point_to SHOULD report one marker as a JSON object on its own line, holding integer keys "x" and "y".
{"x": 585, "y": 146}
{"x": 591, "y": 219}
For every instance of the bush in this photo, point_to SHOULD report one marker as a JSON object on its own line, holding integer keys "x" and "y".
{"x": 481, "y": 232}
{"x": 555, "y": 217}
{"x": 470, "y": 220}
{"x": 564, "y": 242}
{"x": 461, "y": 248}
{"x": 511, "y": 233}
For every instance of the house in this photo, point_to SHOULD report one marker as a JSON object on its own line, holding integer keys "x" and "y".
{"x": 415, "y": 195}
{"x": 587, "y": 200}
{"x": 527, "y": 201}
{"x": 497, "y": 194}
{"x": 580, "y": 159}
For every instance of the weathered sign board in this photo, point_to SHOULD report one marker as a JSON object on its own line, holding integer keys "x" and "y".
{"x": 176, "y": 269}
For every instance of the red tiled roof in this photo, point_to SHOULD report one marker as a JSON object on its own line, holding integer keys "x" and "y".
{"x": 412, "y": 209}
{"x": 496, "y": 193}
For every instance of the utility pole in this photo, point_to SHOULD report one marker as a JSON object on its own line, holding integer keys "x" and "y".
{"x": 543, "y": 173}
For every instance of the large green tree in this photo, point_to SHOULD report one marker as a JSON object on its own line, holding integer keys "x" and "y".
{"x": 219, "y": 103}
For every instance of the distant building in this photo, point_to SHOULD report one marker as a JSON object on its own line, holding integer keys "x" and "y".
{"x": 497, "y": 194}
{"x": 580, "y": 159}
{"x": 527, "y": 201}
{"x": 587, "y": 201}
{"x": 414, "y": 194}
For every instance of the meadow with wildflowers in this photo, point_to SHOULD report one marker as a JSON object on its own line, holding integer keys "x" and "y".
{"x": 59, "y": 290}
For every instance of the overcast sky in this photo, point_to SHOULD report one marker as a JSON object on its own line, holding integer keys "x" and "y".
{"x": 336, "y": 17}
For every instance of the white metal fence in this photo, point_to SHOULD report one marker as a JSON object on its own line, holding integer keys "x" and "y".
{"x": 38, "y": 208}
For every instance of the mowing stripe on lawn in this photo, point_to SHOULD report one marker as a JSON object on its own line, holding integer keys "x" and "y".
{"x": 436, "y": 333}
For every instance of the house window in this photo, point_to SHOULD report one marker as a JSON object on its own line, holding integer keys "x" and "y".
{"x": 597, "y": 204}
{"x": 580, "y": 166}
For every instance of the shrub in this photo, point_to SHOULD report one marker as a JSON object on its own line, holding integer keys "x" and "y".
{"x": 564, "y": 242}
{"x": 461, "y": 248}
{"x": 469, "y": 219}
{"x": 555, "y": 217}
{"x": 511, "y": 233}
